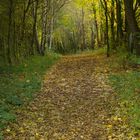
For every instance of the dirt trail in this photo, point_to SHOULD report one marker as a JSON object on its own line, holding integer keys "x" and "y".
{"x": 73, "y": 104}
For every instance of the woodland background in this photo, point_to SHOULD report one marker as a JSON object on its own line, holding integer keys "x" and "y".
{"x": 30, "y": 27}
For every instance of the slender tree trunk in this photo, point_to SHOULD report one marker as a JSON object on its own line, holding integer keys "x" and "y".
{"x": 92, "y": 44}
{"x": 83, "y": 31}
{"x": 14, "y": 41}
{"x": 119, "y": 21}
{"x": 35, "y": 10}
{"x": 51, "y": 25}
{"x": 51, "y": 32}
{"x": 26, "y": 8}
{"x": 9, "y": 31}
{"x": 102, "y": 41}
{"x": 112, "y": 24}
{"x": 37, "y": 42}
{"x": 107, "y": 35}
{"x": 44, "y": 28}
{"x": 97, "y": 28}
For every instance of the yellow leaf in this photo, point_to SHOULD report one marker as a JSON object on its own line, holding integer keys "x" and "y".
{"x": 8, "y": 130}
{"x": 115, "y": 118}
{"x": 37, "y": 134}
{"x": 109, "y": 126}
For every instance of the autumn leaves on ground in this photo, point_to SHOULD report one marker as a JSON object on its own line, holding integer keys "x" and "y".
{"x": 76, "y": 103}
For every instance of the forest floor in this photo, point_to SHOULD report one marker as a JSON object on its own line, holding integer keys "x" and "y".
{"x": 76, "y": 103}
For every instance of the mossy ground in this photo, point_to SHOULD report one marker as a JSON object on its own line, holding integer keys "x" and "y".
{"x": 18, "y": 84}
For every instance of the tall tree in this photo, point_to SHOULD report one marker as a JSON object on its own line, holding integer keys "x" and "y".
{"x": 105, "y": 6}
{"x": 9, "y": 49}
{"x": 83, "y": 45}
{"x": 112, "y": 22}
{"x": 130, "y": 14}
{"x": 119, "y": 20}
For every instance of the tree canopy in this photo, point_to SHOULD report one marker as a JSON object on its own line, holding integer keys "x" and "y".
{"x": 30, "y": 27}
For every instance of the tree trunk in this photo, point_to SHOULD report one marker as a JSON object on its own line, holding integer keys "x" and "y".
{"x": 35, "y": 10}
{"x": 119, "y": 21}
{"x": 44, "y": 29}
{"x": 112, "y": 24}
{"x": 130, "y": 14}
{"x": 107, "y": 35}
{"x": 92, "y": 39}
{"x": 24, "y": 18}
{"x": 9, "y": 31}
{"x": 97, "y": 29}
{"x": 83, "y": 45}
{"x": 132, "y": 26}
{"x": 51, "y": 33}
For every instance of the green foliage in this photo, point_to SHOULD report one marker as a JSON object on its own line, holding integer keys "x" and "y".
{"x": 5, "y": 116}
{"x": 1, "y": 136}
{"x": 134, "y": 59}
{"x": 127, "y": 86}
{"x": 14, "y": 100}
{"x": 20, "y": 83}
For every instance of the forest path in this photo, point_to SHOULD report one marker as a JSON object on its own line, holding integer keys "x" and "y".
{"x": 74, "y": 103}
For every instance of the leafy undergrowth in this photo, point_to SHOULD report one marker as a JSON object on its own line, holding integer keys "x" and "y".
{"x": 20, "y": 83}
{"x": 128, "y": 87}
{"x": 125, "y": 79}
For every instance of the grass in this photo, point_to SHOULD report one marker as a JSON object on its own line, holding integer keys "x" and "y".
{"x": 127, "y": 85}
{"x": 18, "y": 84}
{"x": 96, "y": 51}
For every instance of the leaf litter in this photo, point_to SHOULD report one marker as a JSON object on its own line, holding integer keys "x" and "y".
{"x": 75, "y": 103}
